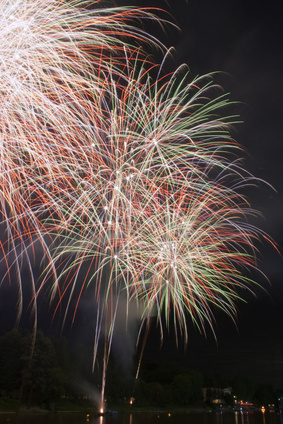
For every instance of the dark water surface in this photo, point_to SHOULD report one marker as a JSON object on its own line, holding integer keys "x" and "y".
{"x": 145, "y": 418}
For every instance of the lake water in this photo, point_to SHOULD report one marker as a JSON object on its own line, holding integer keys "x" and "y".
{"x": 146, "y": 418}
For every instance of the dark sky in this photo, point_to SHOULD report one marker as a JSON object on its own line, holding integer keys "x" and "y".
{"x": 244, "y": 40}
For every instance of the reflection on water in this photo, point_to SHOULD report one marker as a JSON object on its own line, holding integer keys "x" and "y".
{"x": 146, "y": 418}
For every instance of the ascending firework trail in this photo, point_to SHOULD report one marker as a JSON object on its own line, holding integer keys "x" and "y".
{"x": 131, "y": 184}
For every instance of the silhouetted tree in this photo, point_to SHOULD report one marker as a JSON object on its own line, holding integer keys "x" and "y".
{"x": 12, "y": 347}
{"x": 264, "y": 394}
{"x": 187, "y": 388}
{"x": 38, "y": 372}
{"x": 243, "y": 388}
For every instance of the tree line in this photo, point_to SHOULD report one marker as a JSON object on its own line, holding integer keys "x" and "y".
{"x": 46, "y": 371}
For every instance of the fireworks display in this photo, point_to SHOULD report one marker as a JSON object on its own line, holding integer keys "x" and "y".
{"x": 131, "y": 184}
{"x": 151, "y": 205}
{"x": 55, "y": 57}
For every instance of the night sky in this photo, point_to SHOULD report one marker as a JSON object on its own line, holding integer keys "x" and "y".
{"x": 243, "y": 40}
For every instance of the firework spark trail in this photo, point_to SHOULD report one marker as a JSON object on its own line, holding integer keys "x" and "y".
{"x": 130, "y": 184}
{"x": 158, "y": 212}
{"x": 54, "y": 60}
{"x": 51, "y": 58}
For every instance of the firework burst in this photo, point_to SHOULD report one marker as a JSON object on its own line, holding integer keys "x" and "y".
{"x": 54, "y": 61}
{"x": 157, "y": 210}
{"x": 129, "y": 184}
